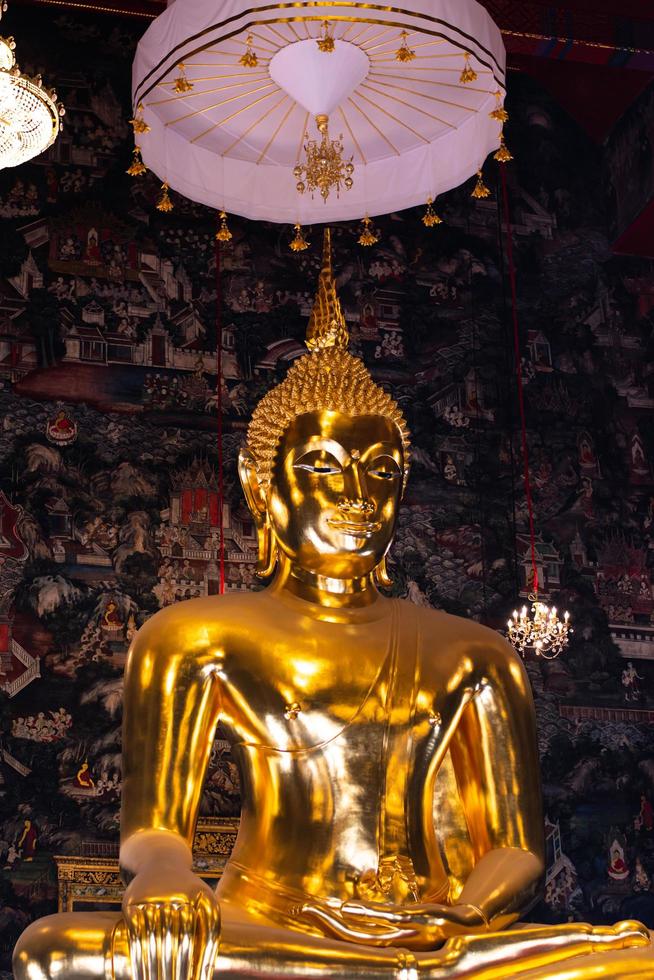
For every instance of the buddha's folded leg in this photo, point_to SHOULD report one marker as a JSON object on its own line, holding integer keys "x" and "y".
{"x": 566, "y": 952}
{"x": 93, "y": 946}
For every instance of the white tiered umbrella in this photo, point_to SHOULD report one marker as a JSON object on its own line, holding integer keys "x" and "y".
{"x": 229, "y": 135}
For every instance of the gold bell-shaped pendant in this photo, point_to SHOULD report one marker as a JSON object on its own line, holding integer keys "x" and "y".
{"x": 249, "y": 58}
{"x": 369, "y": 235}
{"x": 430, "y": 219}
{"x": 499, "y": 112}
{"x": 298, "y": 242}
{"x": 468, "y": 74}
{"x": 138, "y": 123}
{"x": 480, "y": 190}
{"x": 137, "y": 167}
{"x": 182, "y": 83}
{"x": 164, "y": 203}
{"x": 223, "y": 234}
{"x": 503, "y": 155}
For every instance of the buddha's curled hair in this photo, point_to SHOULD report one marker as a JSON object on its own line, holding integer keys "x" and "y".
{"x": 330, "y": 379}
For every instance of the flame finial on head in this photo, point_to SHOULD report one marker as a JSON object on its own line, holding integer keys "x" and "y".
{"x": 327, "y": 326}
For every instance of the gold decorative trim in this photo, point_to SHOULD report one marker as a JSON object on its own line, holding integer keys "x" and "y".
{"x": 252, "y": 12}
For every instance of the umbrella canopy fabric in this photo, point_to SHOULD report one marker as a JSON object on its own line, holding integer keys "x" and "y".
{"x": 229, "y": 135}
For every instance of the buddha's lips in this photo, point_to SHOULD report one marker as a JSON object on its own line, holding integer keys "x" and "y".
{"x": 358, "y": 529}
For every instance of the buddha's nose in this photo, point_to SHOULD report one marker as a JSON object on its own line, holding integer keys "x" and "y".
{"x": 356, "y": 506}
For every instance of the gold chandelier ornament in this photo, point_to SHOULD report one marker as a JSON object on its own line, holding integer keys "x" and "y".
{"x": 324, "y": 169}
{"x": 480, "y": 190}
{"x": 223, "y": 234}
{"x": 30, "y": 114}
{"x": 326, "y": 40}
{"x": 430, "y": 219}
{"x": 404, "y": 53}
{"x": 298, "y": 242}
{"x": 249, "y": 57}
{"x": 468, "y": 74}
{"x": 539, "y": 629}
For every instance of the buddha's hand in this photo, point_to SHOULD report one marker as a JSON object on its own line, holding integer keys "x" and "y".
{"x": 173, "y": 924}
{"x": 416, "y": 926}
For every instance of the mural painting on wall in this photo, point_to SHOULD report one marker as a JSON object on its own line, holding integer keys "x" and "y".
{"x": 109, "y": 506}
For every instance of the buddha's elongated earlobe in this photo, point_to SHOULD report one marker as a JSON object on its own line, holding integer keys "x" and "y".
{"x": 268, "y": 551}
{"x": 381, "y": 576}
{"x": 256, "y": 501}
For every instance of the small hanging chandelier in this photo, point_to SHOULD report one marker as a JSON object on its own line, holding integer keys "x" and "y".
{"x": 539, "y": 629}
{"x": 30, "y": 115}
{"x": 324, "y": 169}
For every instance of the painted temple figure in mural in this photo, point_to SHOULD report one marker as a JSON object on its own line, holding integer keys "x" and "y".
{"x": 391, "y": 820}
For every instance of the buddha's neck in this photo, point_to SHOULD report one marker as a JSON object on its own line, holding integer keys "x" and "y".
{"x": 334, "y": 593}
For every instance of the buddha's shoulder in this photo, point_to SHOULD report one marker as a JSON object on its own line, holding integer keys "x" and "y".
{"x": 480, "y": 644}
{"x": 208, "y": 616}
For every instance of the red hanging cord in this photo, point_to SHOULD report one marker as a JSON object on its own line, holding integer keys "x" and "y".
{"x": 219, "y": 399}
{"x": 518, "y": 371}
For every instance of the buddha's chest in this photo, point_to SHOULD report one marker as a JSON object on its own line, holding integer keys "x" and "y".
{"x": 362, "y": 696}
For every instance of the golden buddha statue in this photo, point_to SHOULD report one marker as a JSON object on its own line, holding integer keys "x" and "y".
{"x": 391, "y": 826}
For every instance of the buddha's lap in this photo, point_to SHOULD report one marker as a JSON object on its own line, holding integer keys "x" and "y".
{"x": 251, "y": 948}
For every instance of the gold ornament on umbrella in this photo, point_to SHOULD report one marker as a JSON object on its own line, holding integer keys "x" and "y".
{"x": 326, "y": 41}
{"x": 223, "y": 234}
{"x": 430, "y": 219}
{"x": 138, "y": 123}
{"x": 182, "y": 83}
{"x": 499, "y": 112}
{"x": 298, "y": 242}
{"x": 249, "y": 58}
{"x": 369, "y": 235}
{"x": 324, "y": 169}
{"x": 404, "y": 53}
{"x": 480, "y": 190}
{"x": 164, "y": 203}
{"x": 137, "y": 167}
{"x": 503, "y": 155}
{"x": 468, "y": 73}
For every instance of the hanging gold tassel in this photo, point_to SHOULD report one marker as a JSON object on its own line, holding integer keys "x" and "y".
{"x": 499, "y": 112}
{"x": 468, "y": 74}
{"x": 404, "y": 53}
{"x": 299, "y": 242}
{"x": 223, "y": 234}
{"x": 368, "y": 236}
{"x": 138, "y": 123}
{"x": 480, "y": 191}
{"x": 249, "y": 58}
{"x": 430, "y": 219}
{"x": 503, "y": 155}
{"x": 326, "y": 41}
{"x": 182, "y": 84}
{"x": 164, "y": 203}
{"x": 137, "y": 167}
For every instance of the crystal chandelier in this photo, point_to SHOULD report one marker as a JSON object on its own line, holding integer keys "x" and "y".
{"x": 324, "y": 168}
{"x": 30, "y": 115}
{"x": 539, "y": 629}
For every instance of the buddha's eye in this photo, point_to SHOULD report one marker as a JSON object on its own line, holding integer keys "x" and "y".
{"x": 384, "y": 468}
{"x": 322, "y": 464}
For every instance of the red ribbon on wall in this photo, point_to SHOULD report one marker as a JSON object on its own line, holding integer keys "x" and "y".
{"x": 518, "y": 371}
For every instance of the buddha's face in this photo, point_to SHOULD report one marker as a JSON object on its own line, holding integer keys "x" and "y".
{"x": 334, "y": 493}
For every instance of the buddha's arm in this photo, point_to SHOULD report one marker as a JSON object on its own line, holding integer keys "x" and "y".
{"x": 171, "y": 704}
{"x": 495, "y": 756}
